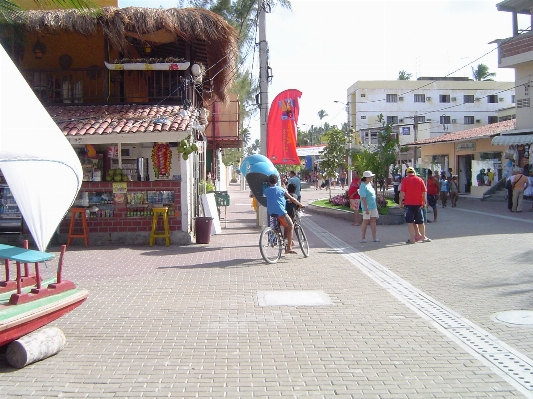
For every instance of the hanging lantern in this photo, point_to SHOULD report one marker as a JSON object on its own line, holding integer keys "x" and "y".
{"x": 147, "y": 48}
{"x": 39, "y": 49}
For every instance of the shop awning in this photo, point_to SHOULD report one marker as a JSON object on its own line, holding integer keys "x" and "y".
{"x": 510, "y": 140}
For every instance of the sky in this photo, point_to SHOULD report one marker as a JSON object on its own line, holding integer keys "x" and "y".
{"x": 322, "y": 47}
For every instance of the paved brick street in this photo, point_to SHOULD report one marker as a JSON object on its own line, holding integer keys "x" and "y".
{"x": 406, "y": 321}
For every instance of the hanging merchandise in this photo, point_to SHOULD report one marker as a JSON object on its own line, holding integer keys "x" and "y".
{"x": 186, "y": 149}
{"x": 161, "y": 160}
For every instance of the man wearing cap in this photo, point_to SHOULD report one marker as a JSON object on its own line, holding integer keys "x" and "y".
{"x": 413, "y": 196}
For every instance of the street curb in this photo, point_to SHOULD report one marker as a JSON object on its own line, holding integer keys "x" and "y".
{"x": 349, "y": 216}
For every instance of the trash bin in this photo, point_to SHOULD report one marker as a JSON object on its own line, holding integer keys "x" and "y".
{"x": 202, "y": 226}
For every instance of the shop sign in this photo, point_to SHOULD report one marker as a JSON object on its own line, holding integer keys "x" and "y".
{"x": 465, "y": 147}
{"x": 406, "y": 130}
{"x": 120, "y": 188}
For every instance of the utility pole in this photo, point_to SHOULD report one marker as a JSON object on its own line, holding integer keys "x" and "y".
{"x": 263, "y": 91}
{"x": 348, "y": 130}
{"x": 263, "y": 78}
{"x": 415, "y": 129}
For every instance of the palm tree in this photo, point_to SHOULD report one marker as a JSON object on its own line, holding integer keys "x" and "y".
{"x": 245, "y": 136}
{"x": 322, "y": 114}
{"x": 404, "y": 75}
{"x": 482, "y": 73}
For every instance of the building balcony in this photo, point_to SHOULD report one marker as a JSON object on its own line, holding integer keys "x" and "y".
{"x": 96, "y": 85}
{"x": 515, "y": 50}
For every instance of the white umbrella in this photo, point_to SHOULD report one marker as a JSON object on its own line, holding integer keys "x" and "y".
{"x": 39, "y": 164}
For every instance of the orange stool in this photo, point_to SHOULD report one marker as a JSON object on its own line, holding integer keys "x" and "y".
{"x": 74, "y": 212}
{"x": 163, "y": 212}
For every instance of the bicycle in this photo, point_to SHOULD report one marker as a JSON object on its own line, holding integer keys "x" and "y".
{"x": 272, "y": 243}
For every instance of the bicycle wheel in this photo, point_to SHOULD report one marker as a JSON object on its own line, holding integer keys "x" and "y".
{"x": 302, "y": 239}
{"x": 270, "y": 245}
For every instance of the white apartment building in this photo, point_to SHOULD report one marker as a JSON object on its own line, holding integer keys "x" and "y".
{"x": 427, "y": 107}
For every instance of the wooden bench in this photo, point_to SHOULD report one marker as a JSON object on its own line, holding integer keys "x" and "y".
{"x": 26, "y": 256}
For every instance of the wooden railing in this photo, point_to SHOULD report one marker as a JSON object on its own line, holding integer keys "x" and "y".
{"x": 78, "y": 86}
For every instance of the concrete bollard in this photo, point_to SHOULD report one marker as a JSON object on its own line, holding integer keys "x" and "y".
{"x": 35, "y": 346}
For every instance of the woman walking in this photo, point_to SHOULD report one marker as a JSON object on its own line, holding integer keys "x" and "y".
{"x": 444, "y": 188}
{"x": 369, "y": 205}
{"x": 353, "y": 196}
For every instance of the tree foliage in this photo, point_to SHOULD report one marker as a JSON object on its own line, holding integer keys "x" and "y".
{"x": 242, "y": 15}
{"x": 404, "y": 75}
{"x": 481, "y": 72}
{"x": 334, "y": 154}
{"x": 379, "y": 158}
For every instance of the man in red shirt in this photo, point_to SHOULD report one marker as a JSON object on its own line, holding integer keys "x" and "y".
{"x": 413, "y": 196}
{"x": 433, "y": 192}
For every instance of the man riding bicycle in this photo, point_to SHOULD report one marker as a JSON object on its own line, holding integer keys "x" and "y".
{"x": 276, "y": 196}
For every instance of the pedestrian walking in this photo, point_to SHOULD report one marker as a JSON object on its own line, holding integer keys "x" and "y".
{"x": 444, "y": 188}
{"x": 433, "y": 189}
{"x": 353, "y": 196}
{"x": 369, "y": 205}
{"x": 413, "y": 197}
{"x": 520, "y": 182}
{"x": 454, "y": 191}
{"x": 343, "y": 178}
{"x": 297, "y": 182}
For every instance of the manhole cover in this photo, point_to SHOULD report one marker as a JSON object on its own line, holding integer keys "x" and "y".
{"x": 520, "y": 317}
{"x": 293, "y": 298}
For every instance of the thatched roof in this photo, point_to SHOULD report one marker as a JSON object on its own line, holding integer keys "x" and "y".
{"x": 211, "y": 36}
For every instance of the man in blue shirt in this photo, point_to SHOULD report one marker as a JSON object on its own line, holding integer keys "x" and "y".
{"x": 296, "y": 181}
{"x": 275, "y": 196}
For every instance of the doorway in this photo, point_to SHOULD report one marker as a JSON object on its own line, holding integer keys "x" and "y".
{"x": 465, "y": 172}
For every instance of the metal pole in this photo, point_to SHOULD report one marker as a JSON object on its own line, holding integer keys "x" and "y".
{"x": 263, "y": 87}
{"x": 415, "y": 129}
{"x": 349, "y": 171}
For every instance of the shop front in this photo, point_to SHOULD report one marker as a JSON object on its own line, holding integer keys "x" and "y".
{"x": 518, "y": 152}
{"x": 471, "y": 156}
{"x": 126, "y": 176}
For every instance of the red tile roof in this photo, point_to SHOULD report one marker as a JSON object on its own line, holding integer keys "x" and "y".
{"x": 492, "y": 129}
{"x": 119, "y": 119}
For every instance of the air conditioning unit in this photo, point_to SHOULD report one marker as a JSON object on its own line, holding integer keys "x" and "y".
{"x": 428, "y": 98}
{"x": 478, "y": 120}
{"x": 428, "y": 120}
{"x": 400, "y": 98}
{"x": 454, "y": 98}
{"x": 454, "y": 120}
{"x": 478, "y": 99}
{"x": 501, "y": 99}
{"x": 401, "y": 120}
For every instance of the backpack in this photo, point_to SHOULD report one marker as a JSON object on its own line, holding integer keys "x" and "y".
{"x": 508, "y": 184}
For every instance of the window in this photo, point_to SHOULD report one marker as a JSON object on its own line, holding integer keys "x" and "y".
{"x": 524, "y": 103}
{"x": 444, "y": 98}
{"x": 493, "y": 119}
{"x": 363, "y": 95}
{"x": 513, "y": 98}
{"x": 363, "y": 116}
{"x": 420, "y": 98}
{"x": 468, "y": 98}
{"x": 492, "y": 99}
{"x": 445, "y": 120}
{"x": 392, "y": 98}
{"x": 469, "y": 120}
{"x": 421, "y": 119}
{"x": 392, "y": 120}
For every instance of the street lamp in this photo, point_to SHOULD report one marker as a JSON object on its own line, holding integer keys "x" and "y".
{"x": 347, "y": 105}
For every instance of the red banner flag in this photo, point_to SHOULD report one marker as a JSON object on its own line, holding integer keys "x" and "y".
{"x": 281, "y": 128}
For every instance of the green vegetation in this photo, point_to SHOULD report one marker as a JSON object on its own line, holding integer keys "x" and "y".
{"x": 326, "y": 204}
